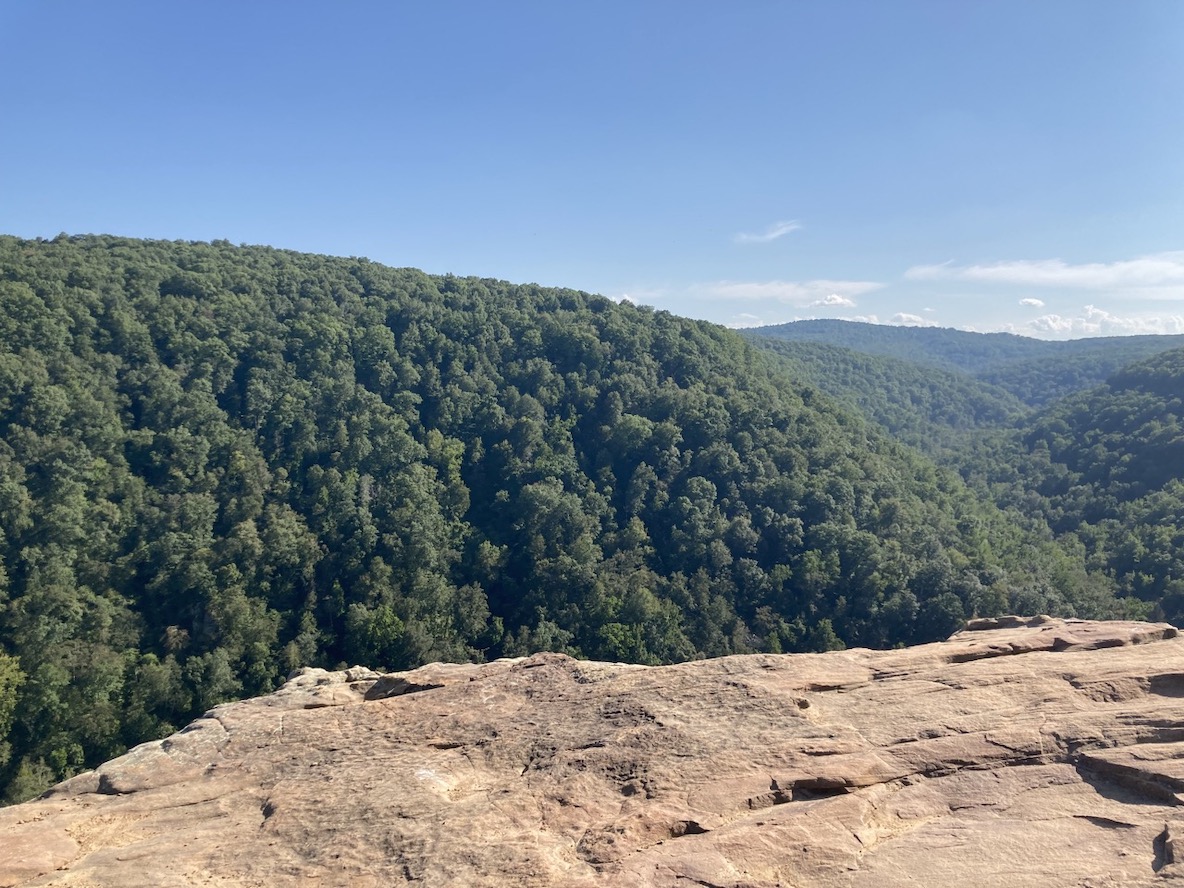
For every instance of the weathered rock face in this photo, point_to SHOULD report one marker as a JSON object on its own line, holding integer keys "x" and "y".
{"x": 1020, "y": 752}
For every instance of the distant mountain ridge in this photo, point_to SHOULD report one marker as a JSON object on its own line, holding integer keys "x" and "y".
{"x": 1034, "y": 370}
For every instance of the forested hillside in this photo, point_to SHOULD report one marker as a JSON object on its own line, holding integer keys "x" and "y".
{"x": 1106, "y": 467}
{"x": 932, "y": 346}
{"x": 1102, "y": 466}
{"x": 1037, "y": 372}
{"x": 219, "y": 463}
{"x": 930, "y": 408}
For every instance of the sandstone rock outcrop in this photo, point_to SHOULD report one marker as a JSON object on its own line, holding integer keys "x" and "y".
{"x": 1020, "y": 752}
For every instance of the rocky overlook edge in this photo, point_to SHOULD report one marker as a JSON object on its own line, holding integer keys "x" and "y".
{"x": 1022, "y": 751}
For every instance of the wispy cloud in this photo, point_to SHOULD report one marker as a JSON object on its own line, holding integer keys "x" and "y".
{"x": 800, "y": 293}
{"x": 1032, "y": 303}
{"x": 774, "y": 231}
{"x": 1160, "y": 275}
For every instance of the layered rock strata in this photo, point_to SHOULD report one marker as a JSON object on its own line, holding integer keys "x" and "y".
{"x": 1020, "y": 752}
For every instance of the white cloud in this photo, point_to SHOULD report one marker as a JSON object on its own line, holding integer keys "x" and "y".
{"x": 901, "y": 319}
{"x": 1094, "y": 321}
{"x": 1032, "y": 303}
{"x": 1160, "y": 275}
{"x": 743, "y": 320}
{"x": 774, "y": 231}
{"x": 641, "y": 295}
{"x": 801, "y": 293}
{"x": 834, "y": 300}
{"x": 1052, "y": 324}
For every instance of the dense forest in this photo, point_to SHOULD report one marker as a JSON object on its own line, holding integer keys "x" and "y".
{"x": 1105, "y": 467}
{"x": 1102, "y": 466}
{"x": 934, "y": 409}
{"x": 221, "y": 463}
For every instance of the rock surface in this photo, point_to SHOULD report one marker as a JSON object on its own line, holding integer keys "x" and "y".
{"x": 1020, "y": 752}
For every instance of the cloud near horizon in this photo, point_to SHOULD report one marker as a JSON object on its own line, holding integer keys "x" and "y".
{"x": 744, "y": 320}
{"x": 774, "y": 231}
{"x": 1094, "y": 321}
{"x": 1032, "y": 303}
{"x": 900, "y": 319}
{"x": 904, "y": 319}
{"x": 834, "y": 300}
{"x": 1157, "y": 276}
{"x": 801, "y": 293}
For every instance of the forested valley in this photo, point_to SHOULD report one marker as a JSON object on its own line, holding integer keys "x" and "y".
{"x": 1086, "y": 436}
{"x": 220, "y": 463}
{"x": 1035, "y": 371}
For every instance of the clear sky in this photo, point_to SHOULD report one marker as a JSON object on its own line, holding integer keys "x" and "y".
{"x": 987, "y": 165}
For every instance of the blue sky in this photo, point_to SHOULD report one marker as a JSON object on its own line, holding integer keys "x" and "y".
{"x": 994, "y": 165}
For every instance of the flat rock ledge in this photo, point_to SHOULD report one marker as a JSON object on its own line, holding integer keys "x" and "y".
{"x": 1022, "y": 751}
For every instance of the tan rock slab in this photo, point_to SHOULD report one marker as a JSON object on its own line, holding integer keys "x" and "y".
{"x": 1020, "y": 752}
